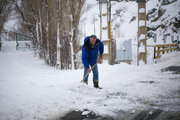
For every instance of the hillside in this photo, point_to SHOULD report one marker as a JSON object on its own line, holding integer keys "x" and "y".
{"x": 163, "y": 18}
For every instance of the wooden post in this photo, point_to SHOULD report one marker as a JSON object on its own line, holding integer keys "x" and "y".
{"x": 103, "y": 14}
{"x": 106, "y": 29}
{"x": 163, "y": 49}
{"x": 158, "y": 51}
{"x": 142, "y": 31}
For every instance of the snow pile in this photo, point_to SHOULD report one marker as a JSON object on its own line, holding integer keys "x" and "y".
{"x": 30, "y": 89}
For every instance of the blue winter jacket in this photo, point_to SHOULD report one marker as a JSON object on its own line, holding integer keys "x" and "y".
{"x": 90, "y": 53}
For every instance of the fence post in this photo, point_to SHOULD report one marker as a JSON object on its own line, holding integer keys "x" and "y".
{"x": 164, "y": 39}
{"x": 0, "y": 43}
{"x": 163, "y": 49}
{"x": 154, "y": 52}
{"x": 158, "y": 53}
{"x": 155, "y": 38}
{"x": 17, "y": 44}
{"x": 172, "y": 39}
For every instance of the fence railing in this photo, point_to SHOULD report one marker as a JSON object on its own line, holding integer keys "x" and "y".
{"x": 23, "y": 40}
{"x": 162, "y": 49}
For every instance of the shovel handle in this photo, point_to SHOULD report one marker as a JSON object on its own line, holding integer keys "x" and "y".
{"x": 88, "y": 73}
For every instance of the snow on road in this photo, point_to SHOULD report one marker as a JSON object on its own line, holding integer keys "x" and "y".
{"x": 30, "y": 89}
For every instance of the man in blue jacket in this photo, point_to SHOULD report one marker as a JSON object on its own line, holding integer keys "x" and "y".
{"x": 90, "y": 49}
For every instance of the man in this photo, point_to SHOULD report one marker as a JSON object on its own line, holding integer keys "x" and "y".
{"x": 92, "y": 46}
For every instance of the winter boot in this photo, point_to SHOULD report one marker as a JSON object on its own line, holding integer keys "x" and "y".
{"x": 86, "y": 82}
{"x": 96, "y": 83}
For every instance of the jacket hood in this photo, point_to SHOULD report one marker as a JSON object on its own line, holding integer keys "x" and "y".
{"x": 86, "y": 39}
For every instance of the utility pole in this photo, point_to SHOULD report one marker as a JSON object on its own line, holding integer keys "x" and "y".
{"x": 109, "y": 34}
{"x": 104, "y": 27}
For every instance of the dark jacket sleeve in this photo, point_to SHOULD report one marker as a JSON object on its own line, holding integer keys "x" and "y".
{"x": 101, "y": 48}
{"x": 85, "y": 56}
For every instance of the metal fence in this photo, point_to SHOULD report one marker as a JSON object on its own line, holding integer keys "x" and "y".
{"x": 23, "y": 41}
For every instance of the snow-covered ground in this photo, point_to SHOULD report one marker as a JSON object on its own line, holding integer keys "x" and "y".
{"x": 30, "y": 89}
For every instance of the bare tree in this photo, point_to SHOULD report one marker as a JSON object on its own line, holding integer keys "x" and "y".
{"x": 5, "y": 10}
{"x": 50, "y": 23}
{"x": 75, "y": 11}
{"x": 65, "y": 37}
{"x": 52, "y": 30}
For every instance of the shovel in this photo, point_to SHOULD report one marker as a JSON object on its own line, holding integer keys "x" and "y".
{"x": 88, "y": 73}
